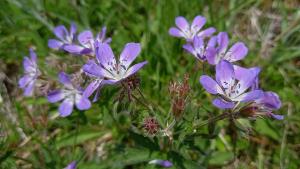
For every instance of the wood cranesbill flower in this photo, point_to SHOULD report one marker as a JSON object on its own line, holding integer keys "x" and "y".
{"x": 31, "y": 73}
{"x": 231, "y": 85}
{"x": 64, "y": 36}
{"x": 107, "y": 70}
{"x": 87, "y": 42}
{"x": 221, "y": 52}
{"x": 263, "y": 107}
{"x": 70, "y": 94}
{"x": 187, "y": 31}
{"x": 199, "y": 49}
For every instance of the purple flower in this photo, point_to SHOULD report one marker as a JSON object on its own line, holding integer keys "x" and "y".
{"x": 163, "y": 163}
{"x": 198, "y": 47}
{"x": 64, "y": 37}
{"x": 231, "y": 85}
{"x": 266, "y": 104}
{"x": 31, "y": 73}
{"x": 108, "y": 70}
{"x": 88, "y": 42}
{"x": 187, "y": 31}
{"x": 70, "y": 95}
{"x": 237, "y": 52}
{"x": 72, "y": 165}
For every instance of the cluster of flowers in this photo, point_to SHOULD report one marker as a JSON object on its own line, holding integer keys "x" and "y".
{"x": 236, "y": 88}
{"x": 233, "y": 84}
{"x": 103, "y": 68}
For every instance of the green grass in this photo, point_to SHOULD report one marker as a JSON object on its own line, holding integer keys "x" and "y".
{"x": 270, "y": 29}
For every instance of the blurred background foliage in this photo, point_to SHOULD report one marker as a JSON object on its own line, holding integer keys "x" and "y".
{"x": 111, "y": 136}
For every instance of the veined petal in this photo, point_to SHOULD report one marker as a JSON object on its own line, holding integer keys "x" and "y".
{"x": 246, "y": 77}
{"x": 65, "y": 79}
{"x": 182, "y": 23}
{"x": 92, "y": 87}
{"x": 211, "y": 56}
{"x": 198, "y": 42}
{"x": 29, "y": 88}
{"x": 55, "y": 44}
{"x": 55, "y": 96}
{"x": 133, "y": 69}
{"x": 223, "y": 42}
{"x": 237, "y": 52}
{"x": 24, "y": 81}
{"x": 129, "y": 53}
{"x": 225, "y": 74}
{"x": 65, "y": 108}
{"x": 82, "y": 103}
{"x": 28, "y": 65}
{"x": 222, "y": 104}
{"x": 270, "y": 100}
{"x": 175, "y": 32}
{"x": 207, "y": 32}
{"x": 249, "y": 96}
{"x": 212, "y": 42}
{"x": 210, "y": 85}
{"x": 93, "y": 69}
{"x": 74, "y": 49}
{"x": 198, "y": 23}
{"x": 86, "y": 37}
{"x": 105, "y": 55}
{"x": 189, "y": 48}
{"x": 61, "y": 32}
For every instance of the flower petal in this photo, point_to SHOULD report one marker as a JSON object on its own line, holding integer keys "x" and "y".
{"x": 65, "y": 79}
{"x": 182, "y": 23}
{"x": 90, "y": 89}
{"x": 86, "y": 37}
{"x": 198, "y": 23}
{"x": 222, "y": 104}
{"x": 277, "y": 117}
{"x": 82, "y": 103}
{"x": 55, "y": 96}
{"x": 74, "y": 49}
{"x": 223, "y": 42}
{"x": 72, "y": 165}
{"x": 23, "y": 81}
{"x": 210, "y": 85}
{"x": 95, "y": 70}
{"x": 33, "y": 56}
{"x": 207, "y": 32}
{"x": 55, "y": 44}
{"x": 249, "y": 96}
{"x": 28, "y": 65}
{"x": 211, "y": 56}
{"x": 270, "y": 100}
{"x": 175, "y": 32}
{"x": 237, "y": 52}
{"x": 61, "y": 32}
{"x": 225, "y": 74}
{"x": 73, "y": 29}
{"x": 133, "y": 69}
{"x": 246, "y": 77}
{"x": 29, "y": 88}
{"x": 65, "y": 108}
{"x": 212, "y": 42}
{"x": 189, "y": 48}
{"x": 129, "y": 53}
{"x": 162, "y": 163}
{"x": 105, "y": 55}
